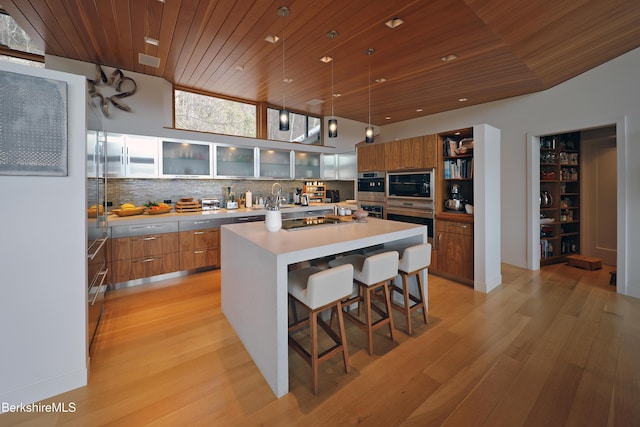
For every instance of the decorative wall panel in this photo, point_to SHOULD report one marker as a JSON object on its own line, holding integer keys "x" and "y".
{"x": 33, "y": 125}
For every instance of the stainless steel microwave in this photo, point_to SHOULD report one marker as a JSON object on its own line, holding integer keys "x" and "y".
{"x": 414, "y": 185}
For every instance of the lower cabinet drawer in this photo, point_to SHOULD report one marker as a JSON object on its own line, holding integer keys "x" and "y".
{"x": 199, "y": 258}
{"x": 125, "y": 270}
{"x": 154, "y": 265}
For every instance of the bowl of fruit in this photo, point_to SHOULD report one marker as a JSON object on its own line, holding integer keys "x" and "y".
{"x": 153, "y": 208}
{"x": 128, "y": 209}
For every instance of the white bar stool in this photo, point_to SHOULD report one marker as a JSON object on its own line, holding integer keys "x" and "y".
{"x": 370, "y": 274}
{"x": 414, "y": 260}
{"x": 318, "y": 290}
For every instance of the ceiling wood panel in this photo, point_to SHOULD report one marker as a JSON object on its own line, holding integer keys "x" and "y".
{"x": 505, "y": 48}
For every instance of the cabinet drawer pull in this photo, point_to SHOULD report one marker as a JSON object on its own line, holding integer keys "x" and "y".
{"x": 145, "y": 260}
{"x": 198, "y": 232}
{"x": 148, "y": 238}
{"x": 198, "y": 252}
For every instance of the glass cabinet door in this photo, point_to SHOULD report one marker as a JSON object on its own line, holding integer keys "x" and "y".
{"x": 115, "y": 155}
{"x": 181, "y": 158}
{"x": 141, "y": 156}
{"x": 235, "y": 161}
{"x": 307, "y": 165}
{"x": 275, "y": 164}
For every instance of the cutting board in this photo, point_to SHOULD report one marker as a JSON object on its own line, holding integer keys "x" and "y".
{"x": 182, "y": 206}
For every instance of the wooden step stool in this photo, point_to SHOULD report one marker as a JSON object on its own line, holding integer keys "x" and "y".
{"x": 584, "y": 262}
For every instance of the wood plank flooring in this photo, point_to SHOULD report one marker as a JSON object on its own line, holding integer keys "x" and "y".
{"x": 555, "y": 347}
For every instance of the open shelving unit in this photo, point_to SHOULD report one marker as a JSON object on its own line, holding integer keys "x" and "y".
{"x": 559, "y": 197}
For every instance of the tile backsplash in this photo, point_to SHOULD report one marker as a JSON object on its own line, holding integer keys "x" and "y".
{"x": 140, "y": 191}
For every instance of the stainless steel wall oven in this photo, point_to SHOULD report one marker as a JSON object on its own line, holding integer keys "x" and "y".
{"x": 371, "y": 187}
{"x": 375, "y": 210}
{"x": 414, "y": 185}
{"x": 412, "y": 211}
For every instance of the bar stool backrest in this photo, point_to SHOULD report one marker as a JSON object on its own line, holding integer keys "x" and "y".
{"x": 380, "y": 267}
{"x": 330, "y": 285}
{"x": 415, "y": 258}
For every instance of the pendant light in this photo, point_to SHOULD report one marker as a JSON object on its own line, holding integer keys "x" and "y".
{"x": 369, "y": 129}
{"x": 333, "y": 122}
{"x": 283, "y": 114}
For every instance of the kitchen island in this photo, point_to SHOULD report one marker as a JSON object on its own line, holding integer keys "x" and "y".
{"x": 254, "y": 268}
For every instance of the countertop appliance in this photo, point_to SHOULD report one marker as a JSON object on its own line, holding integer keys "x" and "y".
{"x": 333, "y": 196}
{"x": 455, "y": 202}
{"x": 231, "y": 202}
{"x": 413, "y": 185}
{"x": 210, "y": 204}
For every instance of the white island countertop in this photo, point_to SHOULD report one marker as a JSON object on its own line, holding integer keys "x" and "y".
{"x": 254, "y": 267}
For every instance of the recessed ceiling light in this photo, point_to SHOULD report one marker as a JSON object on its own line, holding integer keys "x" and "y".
{"x": 462, "y": 99}
{"x": 314, "y": 101}
{"x": 381, "y": 80}
{"x": 387, "y": 118}
{"x": 326, "y": 59}
{"x": 419, "y": 110}
{"x": 337, "y": 94}
{"x": 457, "y": 133}
{"x": 271, "y": 38}
{"x": 239, "y": 67}
{"x": 151, "y": 41}
{"x": 149, "y": 60}
{"x": 394, "y": 22}
{"x": 449, "y": 57}
{"x": 287, "y": 80}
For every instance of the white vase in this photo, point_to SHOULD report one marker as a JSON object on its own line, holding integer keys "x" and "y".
{"x": 273, "y": 220}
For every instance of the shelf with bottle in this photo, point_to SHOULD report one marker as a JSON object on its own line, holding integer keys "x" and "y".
{"x": 559, "y": 196}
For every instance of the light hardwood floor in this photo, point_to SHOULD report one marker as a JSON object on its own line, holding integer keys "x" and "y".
{"x": 552, "y": 347}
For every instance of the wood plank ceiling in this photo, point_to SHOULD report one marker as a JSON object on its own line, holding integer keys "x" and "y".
{"x": 504, "y": 48}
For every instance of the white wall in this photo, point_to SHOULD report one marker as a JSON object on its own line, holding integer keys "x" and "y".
{"x": 43, "y": 271}
{"x": 608, "y": 94}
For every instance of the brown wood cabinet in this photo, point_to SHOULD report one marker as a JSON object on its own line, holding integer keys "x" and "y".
{"x": 412, "y": 153}
{"x": 454, "y": 241}
{"x": 199, "y": 248}
{"x": 371, "y": 157}
{"x": 136, "y": 257}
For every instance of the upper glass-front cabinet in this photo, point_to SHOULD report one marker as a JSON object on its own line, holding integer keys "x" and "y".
{"x": 275, "y": 163}
{"x": 132, "y": 156}
{"x": 180, "y": 158}
{"x": 307, "y": 165}
{"x": 235, "y": 161}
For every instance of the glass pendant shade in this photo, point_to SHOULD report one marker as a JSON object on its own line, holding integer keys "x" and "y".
{"x": 333, "y": 128}
{"x": 284, "y": 120}
{"x": 368, "y": 132}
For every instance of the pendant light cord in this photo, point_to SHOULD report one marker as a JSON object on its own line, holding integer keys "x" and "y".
{"x": 333, "y": 59}
{"x": 369, "y": 53}
{"x": 283, "y": 69}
